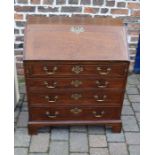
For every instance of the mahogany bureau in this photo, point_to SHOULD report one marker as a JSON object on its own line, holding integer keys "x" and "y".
{"x": 75, "y": 70}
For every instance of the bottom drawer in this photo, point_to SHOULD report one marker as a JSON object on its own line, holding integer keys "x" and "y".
{"x": 74, "y": 113}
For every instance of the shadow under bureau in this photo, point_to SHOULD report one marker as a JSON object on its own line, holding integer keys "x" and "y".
{"x": 75, "y": 70}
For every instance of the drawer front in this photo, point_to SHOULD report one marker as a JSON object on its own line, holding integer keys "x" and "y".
{"x": 76, "y": 97}
{"x": 74, "y": 113}
{"x": 50, "y": 69}
{"x": 36, "y": 84}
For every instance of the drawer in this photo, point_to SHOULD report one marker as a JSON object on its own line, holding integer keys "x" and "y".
{"x": 76, "y": 97}
{"x": 51, "y": 69}
{"x": 74, "y": 113}
{"x": 45, "y": 84}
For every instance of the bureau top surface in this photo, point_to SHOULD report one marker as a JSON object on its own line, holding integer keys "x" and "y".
{"x": 64, "y": 38}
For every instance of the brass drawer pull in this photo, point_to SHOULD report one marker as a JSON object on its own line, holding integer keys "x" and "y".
{"x": 99, "y": 85}
{"x": 98, "y": 115}
{"x": 52, "y": 115}
{"x": 100, "y": 100}
{"x": 50, "y": 72}
{"x": 102, "y": 72}
{"x": 76, "y": 110}
{"x": 50, "y": 86}
{"x": 50, "y": 99}
{"x": 77, "y": 69}
{"x": 76, "y": 96}
{"x": 76, "y": 83}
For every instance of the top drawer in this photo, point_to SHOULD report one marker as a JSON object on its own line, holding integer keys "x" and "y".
{"x": 55, "y": 69}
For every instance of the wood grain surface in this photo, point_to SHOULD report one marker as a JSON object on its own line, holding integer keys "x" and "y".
{"x": 102, "y": 39}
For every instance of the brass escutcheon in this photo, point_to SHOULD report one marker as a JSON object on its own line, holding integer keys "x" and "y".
{"x": 76, "y": 96}
{"x": 76, "y": 110}
{"x": 77, "y": 29}
{"x": 76, "y": 83}
{"x": 77, "y": 69}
